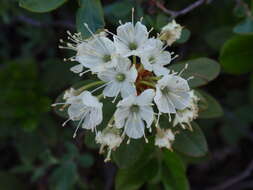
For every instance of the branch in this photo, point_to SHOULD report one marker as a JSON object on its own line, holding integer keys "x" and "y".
{"x": 246, "y": 173}
{"x": 184, "y": 11}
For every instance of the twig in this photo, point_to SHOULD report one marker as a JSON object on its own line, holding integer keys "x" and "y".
{"x": 184, "y": 11}
{"x": 246, "y": 173}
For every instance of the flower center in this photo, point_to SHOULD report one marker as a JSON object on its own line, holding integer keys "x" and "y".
{"x": 134, "y": 108}
{"x": 165, "y": 90}
{"x": 132, "y": 46}
{"x": 151, "y": 60}
{"x": 107, "y": 58}
{"x": 120, "y": 77}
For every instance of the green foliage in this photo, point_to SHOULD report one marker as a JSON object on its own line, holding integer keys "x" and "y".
{"x": 236, "y": 54}
{"x": 86, "y": 160}
{"x": 245, "y": 27}
{"x": 90, "y": 12}
{"x": 41, "y": 6}
{"x": 208, "y": 106}
{"x": 184, "y": 36}
{"x": 39, "y": 153}
{"x": 191, "y": 143}
{"x": 9, "y": 181}
{"x": 127, "y": 154}
{"x": 203, "y": 70}
{"x": 174, "y": 172}
{"x": 64, "y": 176}
{"x": 132, "y": 178}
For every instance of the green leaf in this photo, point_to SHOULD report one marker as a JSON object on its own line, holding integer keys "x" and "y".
{"x": 29, "y": 146}
{"x": 174, "y": 173}
{"x": 134, "y": 177}
{"x": 236, "y": 54}
{"x": 192, "y": 143}
{"x": 113, "y": 14}
{"x": 90, "y": 12}
{"x": 64, "y": 177}
{"x": 212, "y": 108}
{"x": 185, "y": 35}
{"x": 86, "y": 160}
{"x": 41, "y": 6}
{"x": 161, "y": 21}
{"x": 244, "y": 27}
{"x": 127, "y": 154}
{"x": 217, "y": 37}
{"x": 9, "y": 181}
{"x": 203, "y": 70}
{"x": 50, "y": 68}
{"x": 89, "y": 140}
{"x": 63, "y": 112}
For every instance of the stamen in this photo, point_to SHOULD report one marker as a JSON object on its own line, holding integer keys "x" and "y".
{"x": 133, "y": 16}
{"x": 151, "y": 30}
{"x": 176, "y": 56}
{"x": 146, "y": 140}
{"x": 81, "y": 74}
{"x": 158, "y": 118}
{"x": 108, "y": 157}
{"x": 190, "y": 78}
{"x": 114, "y": 35}
{"x": 95, "y": 37}
{"x": 116, "y": 96}
{"x": 79, "y": 124}
{"x": 169, "y": 117}
{"x": 65, "y": 122}
{"x": 181, "y": 72}
{"x": 56, "y": 104}
{"x": 100, "y": 87}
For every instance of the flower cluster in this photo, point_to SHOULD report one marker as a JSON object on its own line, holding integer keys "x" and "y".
{"x": 131, "y": 68}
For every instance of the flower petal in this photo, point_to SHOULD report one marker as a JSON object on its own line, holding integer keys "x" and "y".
{"x": 134, "y": 127}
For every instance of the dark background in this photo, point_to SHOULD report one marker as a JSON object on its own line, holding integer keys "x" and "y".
{"x": 36, "y": 151}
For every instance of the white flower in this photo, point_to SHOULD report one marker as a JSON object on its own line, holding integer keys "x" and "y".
{"x": 77, "y": 68}
{"x": 97, "y": 54}
{"x": 164, "y": 138}
{"x": 131, "y": 39}
{"x": 109, "y": 137}
{"x": 186, "y": 116}
{"x": 133, "y": 111}
{"x": 155, "y": 59}
{"x": 171, "y": 32}
{"x": 172, "y": 93}
{"x": 120, "y": 79}
{"x": 69, "y": 94}
{"x": 86, "y": 109}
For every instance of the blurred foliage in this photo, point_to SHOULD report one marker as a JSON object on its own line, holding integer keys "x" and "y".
{"x": 37, "y": 153}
